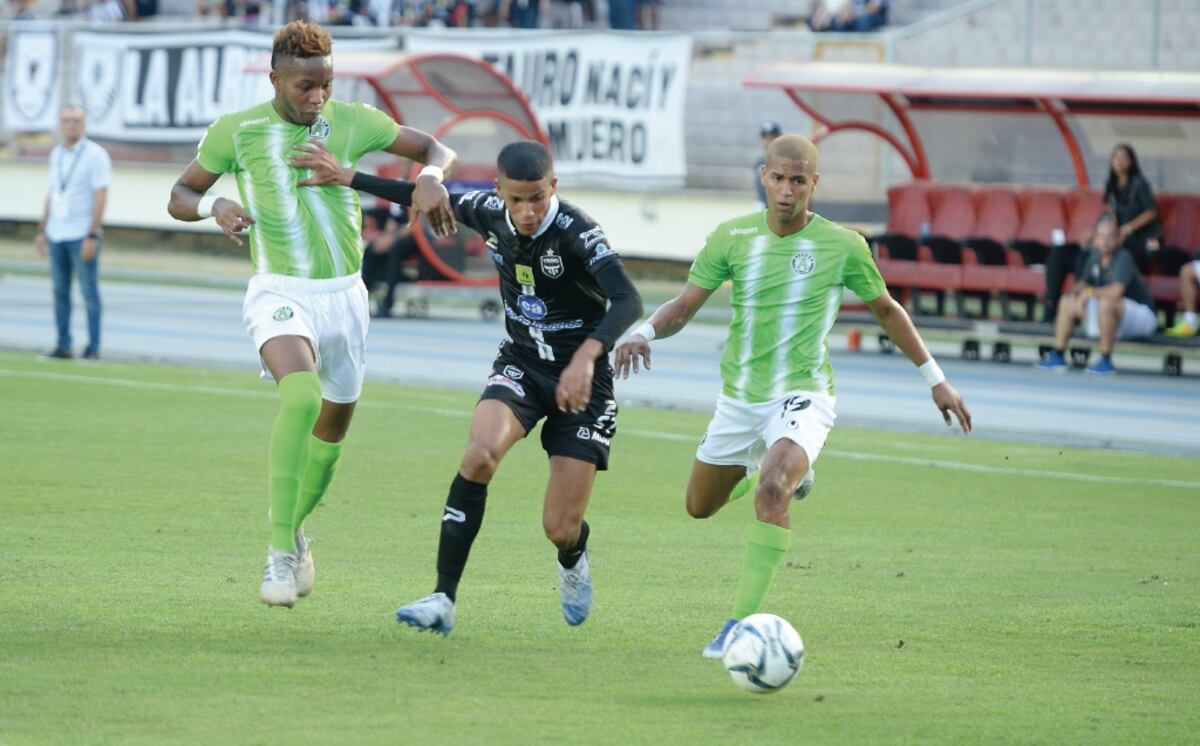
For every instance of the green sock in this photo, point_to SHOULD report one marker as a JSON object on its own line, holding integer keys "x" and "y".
{"x": 299, "y": 405}
{"x": 322, "y": 464}
{"x": 764, "y": 553}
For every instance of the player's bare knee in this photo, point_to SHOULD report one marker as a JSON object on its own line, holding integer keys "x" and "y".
{"x": 701, "y": 507}
{"x": 562, "y": 531}
{"x": 479, "y": 463}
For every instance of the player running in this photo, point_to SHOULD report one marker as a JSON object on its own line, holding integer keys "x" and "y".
{"x": 305, "y": 306}
{"x": 788, "y": 267}
{"x": 567, "y": 299}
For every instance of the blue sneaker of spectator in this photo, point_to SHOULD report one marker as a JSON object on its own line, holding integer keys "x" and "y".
{"x": 1102, "y": 367}
{"x": 716, "y": 648}
{"x": 1053, "y": 362}
{"x": 575, "y": 591}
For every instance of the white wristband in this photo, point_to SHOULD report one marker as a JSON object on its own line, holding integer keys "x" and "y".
{"x": 932, "y": 372}
{"x": 646, "y": 330}
{"x": 204, "y": 208}
{"x": 434, "y": 171}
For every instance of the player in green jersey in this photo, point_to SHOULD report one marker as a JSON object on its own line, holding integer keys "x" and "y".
{"x": 788, "y": 267}
{"x": 305, "y": 306}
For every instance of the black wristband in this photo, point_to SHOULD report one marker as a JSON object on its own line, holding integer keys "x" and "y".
{"x": 392, "y": 190}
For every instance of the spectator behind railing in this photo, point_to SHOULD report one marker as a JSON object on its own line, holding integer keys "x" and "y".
{"x": 22, "y": 10}
{"x": 1111, "y": 298}
{"x": 1189, "y": 298}
{"x": 1127, "y": 195}
{"x": 861, "y": 16}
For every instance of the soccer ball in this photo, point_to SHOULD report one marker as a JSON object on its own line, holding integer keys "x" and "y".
{"x": 764, "y": 653}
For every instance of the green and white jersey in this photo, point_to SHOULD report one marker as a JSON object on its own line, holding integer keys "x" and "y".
{"x": 786, "y": 296}
{"x": 312, "y": 232}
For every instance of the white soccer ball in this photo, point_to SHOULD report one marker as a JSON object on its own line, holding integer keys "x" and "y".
{"x": 764, "y": 653}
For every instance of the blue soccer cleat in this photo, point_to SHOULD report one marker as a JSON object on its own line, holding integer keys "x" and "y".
{"x": 575, "y": 591}
{"x": 434, "y": 613}
{"x": 716, "y": 648}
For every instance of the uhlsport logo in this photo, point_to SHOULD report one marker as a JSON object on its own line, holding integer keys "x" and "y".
{"x": 319, "y": 130}
{"x": 803, "y": 263}
{"x": 283, "y": 313}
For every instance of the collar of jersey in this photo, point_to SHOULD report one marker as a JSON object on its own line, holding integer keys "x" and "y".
{"x": 550, "y": 215}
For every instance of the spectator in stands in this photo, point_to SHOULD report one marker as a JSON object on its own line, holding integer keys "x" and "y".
{"x": 861, "y": 16}
{"x": 384, "y": 258}
{"x": 648, "y": 12}
{"x": 622, "y": 14}
{"x": 1189, "y": 294}
{"x": 767, "y": 132}
{"x": 1111, "y": 298}
{"x": 1127, "y": 195}
{"x": 22, "y": 10}
{"x": 109, "y": 11}
{"x": 566, "y": 14}
{"x": 524, "y": 13}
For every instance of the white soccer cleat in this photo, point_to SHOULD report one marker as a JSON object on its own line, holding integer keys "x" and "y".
{"x": 306, "y": 573}
{"x": 434, "y": 613}
{"x": 575, "y": 591}
{"x": 279, "y": 579}
{"x": 716, "y": 648}
{"x": 806, "y": 485}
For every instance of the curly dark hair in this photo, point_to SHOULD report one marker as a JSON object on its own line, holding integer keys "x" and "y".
{"x": 301, "y": 39}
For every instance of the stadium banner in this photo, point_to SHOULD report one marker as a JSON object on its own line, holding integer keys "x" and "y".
{"x": 153, "y": 88}
{"x": 611, "y": 104}
{"x": 31, "y": 98}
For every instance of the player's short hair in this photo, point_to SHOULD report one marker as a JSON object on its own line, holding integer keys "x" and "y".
{"x": 524, "y": 160}
{"x": 301, "y": 39}
{"x": 795, "y": 148}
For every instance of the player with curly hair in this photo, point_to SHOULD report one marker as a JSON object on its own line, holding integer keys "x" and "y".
{"x": 306, "y": 305}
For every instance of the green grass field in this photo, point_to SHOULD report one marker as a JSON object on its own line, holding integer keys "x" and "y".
{"x": 948, "y": 590}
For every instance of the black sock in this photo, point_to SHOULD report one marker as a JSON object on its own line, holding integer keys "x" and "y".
{"x": 568, "y": 558}
{"x": 460, "y": 523}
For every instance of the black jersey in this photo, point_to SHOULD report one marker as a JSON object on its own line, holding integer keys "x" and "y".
{"x": 551, "y": 298}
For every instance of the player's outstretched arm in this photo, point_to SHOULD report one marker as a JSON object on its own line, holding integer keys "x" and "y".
{"x": 899, "y": 327}
{"x": 429, "y": 195}
{"x": 667, "y": 320}
{"x": 189, "y": 202}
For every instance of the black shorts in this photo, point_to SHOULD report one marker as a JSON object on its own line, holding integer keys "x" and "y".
{"x": 529, "y": 392}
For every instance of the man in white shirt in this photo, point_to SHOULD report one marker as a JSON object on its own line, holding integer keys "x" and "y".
{"x": 70, "y": 227}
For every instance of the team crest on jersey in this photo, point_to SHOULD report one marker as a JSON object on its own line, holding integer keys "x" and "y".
{"x": 803, "y": 262}
{"x": 552, "y": 265}
{"x": 283, "y": 313}
{"x": 319, "y": 130}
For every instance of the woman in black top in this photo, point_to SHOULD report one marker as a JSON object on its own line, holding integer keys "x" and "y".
{"x": 1127, "y": 195}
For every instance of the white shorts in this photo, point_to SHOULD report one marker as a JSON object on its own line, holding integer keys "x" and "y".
{"x": 331, "y": 314}
{"x": 740, "y": 433}
{"x": 1138, "y": 320}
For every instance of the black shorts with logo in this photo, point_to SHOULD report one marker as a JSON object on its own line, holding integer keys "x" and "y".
{"x": 529, "y": 392}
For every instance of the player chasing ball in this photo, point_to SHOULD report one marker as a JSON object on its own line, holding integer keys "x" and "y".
{"x": 306, "y": 306}
{"x": 788, "y": 268}
{"x": 566, "y": 299}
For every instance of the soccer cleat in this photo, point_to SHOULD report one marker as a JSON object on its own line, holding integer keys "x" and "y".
{"x": 716, "y": 648}
{"x": 279, "y": 579}
{"x": 1052, "y": 363}
{"x": 1182, "y": 330}
{"x": 435, "y": 613}
{"x": 805, "y": 485}
{"x": 305, "y": 571}
{"x": 1102, "y": 367}
{"x": 575, "y": 591}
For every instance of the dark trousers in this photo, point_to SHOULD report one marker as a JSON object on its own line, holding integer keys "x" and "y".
{"x": 65, "y": 260}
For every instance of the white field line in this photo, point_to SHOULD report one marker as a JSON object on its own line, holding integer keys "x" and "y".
{"x": 651, "y": 434}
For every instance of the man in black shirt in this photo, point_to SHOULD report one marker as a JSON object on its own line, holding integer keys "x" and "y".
{"x": 566, "y": 299}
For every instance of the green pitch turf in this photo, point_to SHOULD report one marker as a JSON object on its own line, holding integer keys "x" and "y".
{"x": 948, "y": 589}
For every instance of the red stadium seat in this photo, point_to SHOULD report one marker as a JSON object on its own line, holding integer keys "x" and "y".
{"x": 1180, "y": 216}
{"x": 1083, "y": 210}
{"x": 908, "y": 208}
{"x": 952, "y": 212}
{"x": 1042, "y": 213}
{"x": 998, "y": 213}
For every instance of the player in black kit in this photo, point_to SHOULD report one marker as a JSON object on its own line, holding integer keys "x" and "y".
{"x": 566, "y": 300}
